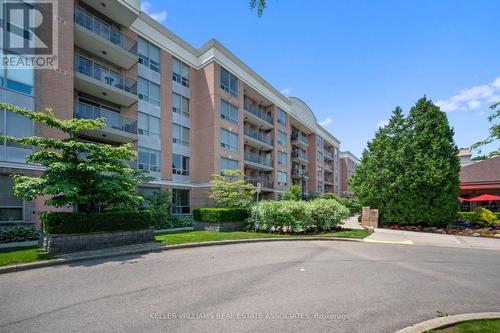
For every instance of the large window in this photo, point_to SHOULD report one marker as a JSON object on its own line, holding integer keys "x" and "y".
{"x": 320, "y": 157}
{"x": 149, "y": 54}
{"x": 319, "y": 141}
{"x": 180, "y": 134}
{"x": 148, "y": 125}
{"x": 13, "y": 124}
{"x": 228, "y": 164}
{"x": 181, "y": 201}
{"x": 11, "y": 207}
{"x": 228, "y": 82}
{"x": 282, "y": 138}
{"x": 229, "y": 140}
{"x": 282, "y": 117}
{"x": 17, "y": 78}
{"x": 229, "y": 112}
{"x": 180, "y": 165}
{"x": 282, "y": 159}
{"x": 148, "y": 91}
{"x": 282, "y": 179}
{"x": 180, "y": 105}
{"x": 149, "y": 159}
{"x": 181, "y": 73}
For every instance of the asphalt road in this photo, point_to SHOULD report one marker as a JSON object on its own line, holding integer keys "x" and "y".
{"x": 264, "y": 287}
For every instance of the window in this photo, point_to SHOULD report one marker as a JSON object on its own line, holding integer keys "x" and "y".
{"x": 148, "y": 125}
{"x": 282, "y": 159}
{"x": 181, "y": 202}
{"x": 228, "y": 82}
{"x": 180, "y": 165}
{"x": 180, "y": 105}
{"x": 149, "y": 55}
{"x": 181, "y": 73}
{"x": 13, "y": 124}
{"x": 228, "y": 164}
{"x": 282, "y": 179}
{"x": 319, "y": 141}
{"x": 148, "y": 91}
{"x": 149, "y": 159}
{"x": 319, "y": 158}
{"x": 11, "y": 207}
{"x": 282, "y": 138}
{"x": 229, "y": 140}
{"x": 180, "y": 134}
{"x": 229, "y": 112}
{"x": 319, "y": 187}
{"x": 282, "y": 117}
{"x": 18, "y": 78}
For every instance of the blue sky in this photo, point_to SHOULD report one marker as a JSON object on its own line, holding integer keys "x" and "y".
{"x": 353, "y": 61}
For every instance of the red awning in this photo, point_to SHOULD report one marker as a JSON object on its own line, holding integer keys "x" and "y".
{"x": 485, "y": 197}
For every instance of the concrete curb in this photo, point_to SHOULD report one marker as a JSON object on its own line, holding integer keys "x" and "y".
{"x": 60, "y": 261}
{"x": 444, "y": 322}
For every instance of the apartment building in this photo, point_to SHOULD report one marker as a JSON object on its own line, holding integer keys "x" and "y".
{"x": 189, "y": 112}
{"x": 348, "y": 164}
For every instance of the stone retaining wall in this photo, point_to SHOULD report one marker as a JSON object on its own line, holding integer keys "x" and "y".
{"x": 221, "y": 226}
{"x": 60, "y": 243}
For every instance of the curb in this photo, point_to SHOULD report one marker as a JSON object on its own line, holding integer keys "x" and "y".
{"x": 60, "y": 261}
{"x": 448, "y": 321}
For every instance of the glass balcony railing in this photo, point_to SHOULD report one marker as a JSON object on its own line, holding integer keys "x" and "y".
{"x": 300, "y": 138}
{"x": 328, "y": 167}
{"x": 104, "y": 30}
{"x": 265, "y": 182}
{"x": 259, "y": 136}
{"x": 256, "y": 158}
{"x": 256, "y": 111}
{"x": 301, "y": 155}
{"x": 329, "y": 154}
{"x": 113, "y": 119}
{"x": 108, "y": 76}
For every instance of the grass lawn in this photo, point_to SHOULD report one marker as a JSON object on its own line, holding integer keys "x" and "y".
{"x": 182, "y": 237}
{"x": 473, "y": 326}
{"x": 24, "y": 255}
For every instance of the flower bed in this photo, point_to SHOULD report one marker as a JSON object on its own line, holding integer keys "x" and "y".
{"x": 491, "y": 232}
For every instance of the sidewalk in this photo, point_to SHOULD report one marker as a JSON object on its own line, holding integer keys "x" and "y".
{"x": 352, "y": 223}
{"x": 424, "y": 238}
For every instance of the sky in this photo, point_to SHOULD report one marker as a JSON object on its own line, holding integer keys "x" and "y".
{"x": 354, "y": 61}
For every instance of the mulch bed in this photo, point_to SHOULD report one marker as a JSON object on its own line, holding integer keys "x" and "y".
{"x": 482, "y": 232}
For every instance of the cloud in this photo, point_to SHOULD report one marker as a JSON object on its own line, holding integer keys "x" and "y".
{"x": 326, "y": 122}
{"x": 471, "y": 98}
{"x": 160, "y": 16}
{"x": 285, "y": 91}
{"x": 382, "y": 123}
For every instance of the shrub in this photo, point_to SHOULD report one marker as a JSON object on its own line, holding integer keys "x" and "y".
{"x": 181, "y": 221}
{"x": 160, "y": 204}
{"x": 294, "y": 193}
{"x": 17, "y": 233}
{"x": 353, "y": 205}
{"x": 484, "y": 217}
{"x": 298, "y": 216}
{"x": 74, "y": 223}
{"x": 220, "y": 214}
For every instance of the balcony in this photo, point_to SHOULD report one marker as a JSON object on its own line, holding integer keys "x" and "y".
{"x": 254, "y": 115}
{"x": 328, "y": 168}
{"x": 328, "y": 181}
{"x": 124, "y": 12}
{"x": 267, "y": 185}
{"x": 300, "y": 139}
{"x": 102, "y": 82}
{"x": 297, "y": 174}
{"x": 300, "y": 156}
{"x": 328, "y": 154}
{"x": 257, "y": 139}
{"x": 100, "y": 38}
{"x": 258, "y": 162}
{"x": 119, "y": 129}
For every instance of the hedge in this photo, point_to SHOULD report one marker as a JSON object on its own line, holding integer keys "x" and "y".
{"x": 481, "y": 217}
{"x": 17, "y": 233}
{"x": 220, "y": 214}
{"x": 80, "y": 223}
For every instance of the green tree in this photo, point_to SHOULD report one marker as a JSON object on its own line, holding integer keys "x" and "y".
{"x": 494, "y": 135}
{"x": 91, "y": 176}
{"x": 294, "y": 193}
{"x": 231, "y": 190}
{"x": 409, "y": 171}
{"x": 259, "y": 4}
{"x": 160, "y": 204}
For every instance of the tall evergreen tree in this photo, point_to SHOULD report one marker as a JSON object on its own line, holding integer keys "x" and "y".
{"x": 410, "y": 169}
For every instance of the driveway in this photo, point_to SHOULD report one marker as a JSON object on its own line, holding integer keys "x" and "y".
{"x": 425, "y": 238}
{"x": 265, "y": 287}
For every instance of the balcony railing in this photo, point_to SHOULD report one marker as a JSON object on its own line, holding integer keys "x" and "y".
{"x": 256, "y": 111}
{"x": 301, "y": 155}
{"x": 329, "y": 154}
{"x": 104, "y": 30}
{"x": 256, "y": 158}
{"x": 265, "y": 183}
{"x": 108, "y": 76}
{"x": 259, "y": 136}
{"x": 328, "y": 167}
{"x": 113, "y": 119}
{"x": 328, "y": 180}
{"x": 301, "y": 138}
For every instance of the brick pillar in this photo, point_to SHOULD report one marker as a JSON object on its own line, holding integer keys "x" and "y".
{"x": 374, "y": 218}
{"x": 365, "y": 216}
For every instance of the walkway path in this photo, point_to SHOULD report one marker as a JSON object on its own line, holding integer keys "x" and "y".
{"x": 352, "y": 223}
